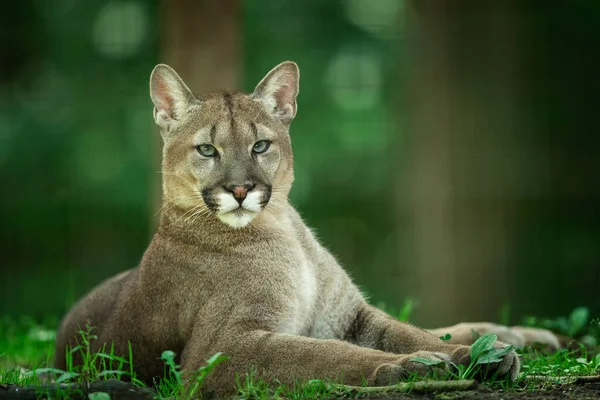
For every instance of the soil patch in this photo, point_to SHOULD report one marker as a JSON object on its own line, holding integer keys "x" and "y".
{"x": 555, "y": 392}
{"x": 121, "y": 390}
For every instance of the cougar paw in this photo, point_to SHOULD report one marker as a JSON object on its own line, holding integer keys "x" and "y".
{"x": 538, "y": 336}
{"x": 518, "y": 336}
{"x": 420, "y": 363}
{"x": 509, "y": 367}
{"x": 504, "y": 333}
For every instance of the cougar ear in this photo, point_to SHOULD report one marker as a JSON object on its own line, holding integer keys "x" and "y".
{"x": 169, "y": 94}
{"x": 278, "y": 91}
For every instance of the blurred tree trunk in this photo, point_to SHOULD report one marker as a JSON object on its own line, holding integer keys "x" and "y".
{"x": 201, "y": 41}
{"x": 464, "y": 156}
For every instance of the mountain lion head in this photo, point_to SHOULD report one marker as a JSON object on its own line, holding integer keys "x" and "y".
{"x": 226, "y": 155}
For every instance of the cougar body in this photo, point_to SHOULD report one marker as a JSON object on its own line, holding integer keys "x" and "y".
{"x": 233, "y": 268}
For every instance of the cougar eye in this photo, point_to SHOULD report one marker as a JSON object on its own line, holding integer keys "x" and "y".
{"x": 261, "y": 146}
{"x": 207, "y": 150}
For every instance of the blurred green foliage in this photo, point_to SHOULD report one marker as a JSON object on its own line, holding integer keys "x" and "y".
{"x": 78, "y": 150}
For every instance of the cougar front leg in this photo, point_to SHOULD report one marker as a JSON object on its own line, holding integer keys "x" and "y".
{"x": 289, "y": 358}
{"x": 374, "y": 329}
{"x": 466, "y": 333}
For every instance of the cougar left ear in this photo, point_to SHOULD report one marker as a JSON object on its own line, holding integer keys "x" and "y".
{"x": 278, "y": 91}
{"x": 170, "y": 95}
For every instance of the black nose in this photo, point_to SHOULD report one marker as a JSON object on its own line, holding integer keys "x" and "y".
{"x": 240, "y": 191}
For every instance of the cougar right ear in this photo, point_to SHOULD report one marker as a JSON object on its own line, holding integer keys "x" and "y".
{"x": 278, "y": 90}
{"x": 169, "y": 94}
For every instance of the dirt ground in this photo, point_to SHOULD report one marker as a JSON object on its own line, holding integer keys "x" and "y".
{"x": 120, "y": 390}
{"x": 575, "y": 391}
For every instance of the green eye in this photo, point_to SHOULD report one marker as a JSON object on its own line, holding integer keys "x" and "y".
{"x": 207, "y": 150}
{"x": 261, "y": 146}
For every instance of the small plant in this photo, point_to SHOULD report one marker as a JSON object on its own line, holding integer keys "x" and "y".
{"x": 406, "y": 310}
{"x": 482, "y": 352}
{"x": 99, "y": 396}
{"x": 250, "y": 386}
{"x": 173, "y": 383}
{"x": 577, "y": 326}
{"x": 95, "y": 365}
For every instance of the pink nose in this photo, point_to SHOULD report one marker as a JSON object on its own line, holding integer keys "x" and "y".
{"x": 240, "y": 191}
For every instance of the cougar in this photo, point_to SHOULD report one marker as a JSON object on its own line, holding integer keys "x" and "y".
{"x": 233, "y": 268}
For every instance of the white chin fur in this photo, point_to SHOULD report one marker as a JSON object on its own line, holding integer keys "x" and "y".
{"x": 238, "y": 218}
{"x": 227, "y": 203}
{"x": 235, "y": 216}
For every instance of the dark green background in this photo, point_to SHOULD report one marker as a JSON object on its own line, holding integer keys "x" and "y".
{"x": 77, "y": 142}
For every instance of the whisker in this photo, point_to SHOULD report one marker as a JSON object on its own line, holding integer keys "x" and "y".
{"x": 276, "y": 205}
{"x": 191, "y": 211}
{"x": 196, "y": 212}
{"x": 173, "y": 200}
{"x": 200, "y": 214}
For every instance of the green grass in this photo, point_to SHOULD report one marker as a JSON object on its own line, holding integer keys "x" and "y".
{"x": 26, "y": 351}
{"x": 563, "y": 363}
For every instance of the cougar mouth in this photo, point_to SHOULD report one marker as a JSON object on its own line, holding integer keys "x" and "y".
{"x": 233, "y": 212}
{"x": 238, "y": 218}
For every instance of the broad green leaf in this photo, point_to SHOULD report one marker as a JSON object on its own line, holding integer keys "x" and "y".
{"x": 578, "y": 319}
{"x": 494, "y": 355}
{"x": 484, "y": 343}
{"x": 447, "y": 336}
{"x": 426, "y": 361}
{"x": 99, "y": 396}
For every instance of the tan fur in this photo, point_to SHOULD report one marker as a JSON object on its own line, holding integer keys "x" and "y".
{"x": 467, "y": 333}
{"x": 256, "y": 286}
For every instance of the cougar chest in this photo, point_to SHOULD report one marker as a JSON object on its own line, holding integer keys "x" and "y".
{"x": 299, "y": 315}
